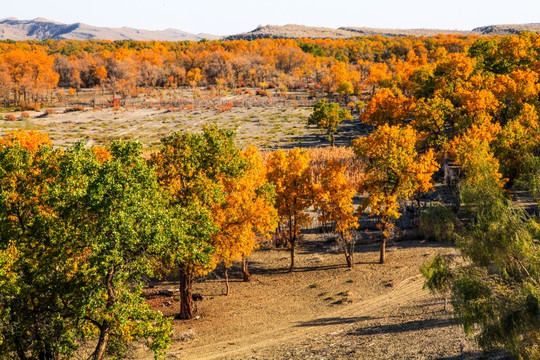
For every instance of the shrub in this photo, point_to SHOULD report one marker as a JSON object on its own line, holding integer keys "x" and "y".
{"x": 261, "y": 92}
{"x": 11, "y": 117}
{"x": 438, "y": 222}
{"x": 49, "y": 112}
{"x": 74, "y": 108}
{"x": 34, "y": 106}
{"x": 25, "y": 115}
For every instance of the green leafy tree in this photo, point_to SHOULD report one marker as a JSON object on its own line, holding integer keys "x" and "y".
{"x": 494, "y": 287}
{"x": 126, "y": 229}
{"x": 328, "y": 116}
{"x": 77, "y": 234}
{"x": 34, "y": 280}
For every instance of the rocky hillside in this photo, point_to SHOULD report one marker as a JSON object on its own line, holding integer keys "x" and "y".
{"x": 366, "y": 31}
{"x": 293, "y": 32}
{"x": 41, "y": 29}
{"x": 297, "y": 31}
{"x": 507, "y": 29}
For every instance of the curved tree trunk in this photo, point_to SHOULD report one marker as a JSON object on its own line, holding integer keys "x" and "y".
{"x": 186, "y": 300}
{"x": 105, "y": 328}
{"x": 348, "y": 249}
{"x": 103, "y": 340}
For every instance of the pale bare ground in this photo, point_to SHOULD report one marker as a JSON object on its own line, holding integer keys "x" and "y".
{"x": 322, "y": 310}
{"x": 409, "y": 289}
{"x": 266, "y": 127}
{"x": 271, "y": 122}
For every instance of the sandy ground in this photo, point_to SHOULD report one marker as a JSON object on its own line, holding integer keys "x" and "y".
{"x": 322, "y": 310}
{"x": 268, "y": 123}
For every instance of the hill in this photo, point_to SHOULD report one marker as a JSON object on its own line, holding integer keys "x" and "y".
{"x": 41, "y": 29}
{"x": 507, "y": 29}
{"x": 300, "y": 31}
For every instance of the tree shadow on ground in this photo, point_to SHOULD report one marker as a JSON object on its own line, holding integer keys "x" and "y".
{"x": 334, "y": 321}
{"x": 259, "y": 268}
{"x": 348, "y": 131}
{"x": 479, "y": 355}
{"x": 414, "y": 325}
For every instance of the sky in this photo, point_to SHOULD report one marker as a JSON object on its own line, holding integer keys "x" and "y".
{"x": 224, "y": 17}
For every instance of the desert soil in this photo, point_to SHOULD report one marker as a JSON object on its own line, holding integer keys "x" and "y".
{"x": 322, "y": 310}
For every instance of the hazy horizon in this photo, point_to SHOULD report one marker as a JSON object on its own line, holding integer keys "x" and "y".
{"x": 236, "y": 16}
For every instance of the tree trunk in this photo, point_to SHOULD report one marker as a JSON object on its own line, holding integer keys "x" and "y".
{"x": 227, "y": 288}
{"x": 101, "y": 347}
{"x": 46, "y": 353}
{"x": 245, "y": 270}
{"x": 186, "y": 300}
{"x": 348, "y": 254}
{"x": 292, "y": 241}
{"x": 348, "y": 248}
{"x": 383, "y": 250}
{"x": 20, "y": 350}
{"x": 292, "y": 244}
{"x": 333, "y": 140}
{"x": 104, "y": 330}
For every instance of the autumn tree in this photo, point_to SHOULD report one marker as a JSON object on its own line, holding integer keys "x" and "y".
{"x": 334, "y": 200}
{"x": 328, "y": 116}
{"x": 388, "y": 107}
{"x": 473, "y": 153}
{"x": 432, "y": 119}
{"x": 194, "y": 168}
{"x": 378, "y": 76}
{"x": 394, "y": 173}
{"x": 290, "y": 174}
{"x": 32, "y": 74}
{"x": 516, "y": 142}
{"x": 100, "y": 74}
{"x": 246, "y": 214}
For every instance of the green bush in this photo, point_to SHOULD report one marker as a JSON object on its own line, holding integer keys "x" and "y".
{"x": 438, "y": 222}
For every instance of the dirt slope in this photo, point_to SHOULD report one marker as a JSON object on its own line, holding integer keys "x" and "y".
{"x": 322, "y": 310}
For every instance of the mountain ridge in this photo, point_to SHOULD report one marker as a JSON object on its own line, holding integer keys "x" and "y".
{"x": 41, "y": 29}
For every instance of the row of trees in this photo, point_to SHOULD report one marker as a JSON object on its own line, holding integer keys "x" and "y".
{"x": 82, "y": 227}
{"x": 30, "y": 70}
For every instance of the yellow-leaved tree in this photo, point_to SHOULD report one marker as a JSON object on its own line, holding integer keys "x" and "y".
{"x": 246, "y": 214}
{"x": 290, "y": 173}
{"x": 473, "y": 153}
{"x": 394, "y": 172}
{"x": 334, "y": 200}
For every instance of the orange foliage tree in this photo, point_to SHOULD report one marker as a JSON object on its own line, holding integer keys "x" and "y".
{"x": 290, "y": 173}
{"x": 31, "y": 73}
{"x": 246, "y": 214}
{"x": 395, "y": 172}
{"x": 334, "y": 200}
{"x": 388, "y": 107}
{"x": 473, "y": 153}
